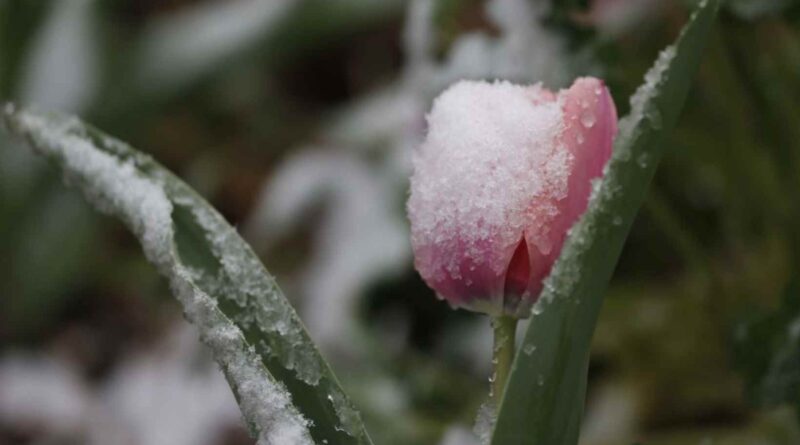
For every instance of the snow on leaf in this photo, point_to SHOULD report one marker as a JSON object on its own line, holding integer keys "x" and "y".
{"x": 280, "y": 380}
{"x": 573, "y": 293}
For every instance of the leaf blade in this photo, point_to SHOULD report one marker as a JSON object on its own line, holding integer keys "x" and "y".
{"x": 278, "y": 376}
{"x": 543, "y": 401}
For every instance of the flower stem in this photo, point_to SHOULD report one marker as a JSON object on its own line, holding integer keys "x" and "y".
{"x": 505, "y": 330}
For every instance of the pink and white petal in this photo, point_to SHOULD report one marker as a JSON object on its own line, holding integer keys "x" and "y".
{"x": 590, "y": 125}
{"x": 460, "y": 280}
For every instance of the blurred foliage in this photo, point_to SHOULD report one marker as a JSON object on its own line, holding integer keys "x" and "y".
{"x": 768, "y": 352}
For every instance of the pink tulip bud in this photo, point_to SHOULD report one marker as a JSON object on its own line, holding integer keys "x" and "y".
{"x": 504, "y": 171}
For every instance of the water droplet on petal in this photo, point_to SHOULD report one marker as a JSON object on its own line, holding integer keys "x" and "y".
{"x": 588, "y": 119}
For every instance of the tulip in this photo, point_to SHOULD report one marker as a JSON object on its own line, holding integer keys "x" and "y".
{"x": 503, "y": 173}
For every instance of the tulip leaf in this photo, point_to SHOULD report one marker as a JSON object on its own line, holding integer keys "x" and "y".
{"x": 544, "y": 398}
{"x": 286, "y": 391}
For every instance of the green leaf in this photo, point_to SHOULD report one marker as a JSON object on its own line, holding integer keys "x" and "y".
{"x": 286, "y": 391}
{"x": 543, "y": 401}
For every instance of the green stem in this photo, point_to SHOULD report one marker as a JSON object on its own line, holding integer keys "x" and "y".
{"x": 505, "y": 330}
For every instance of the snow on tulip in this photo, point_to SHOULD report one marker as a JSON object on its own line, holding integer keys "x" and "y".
{"x": 504, "y": 171}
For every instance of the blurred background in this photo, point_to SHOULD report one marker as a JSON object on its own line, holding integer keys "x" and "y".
{"x": 296, "y": 119}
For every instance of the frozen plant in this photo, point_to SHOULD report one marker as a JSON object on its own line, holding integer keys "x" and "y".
{"x": 391, "y": 122}
{"x": 503, "y": 173}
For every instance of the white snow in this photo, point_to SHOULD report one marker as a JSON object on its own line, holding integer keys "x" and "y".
{"x": 652, "y": 80}
{"x": 371, "y": 143}
{"x": 489, "y": 150}
{"x": 116, "y": 186}
{"x": 112, "y": 185}
{"x": 484, "y": 422}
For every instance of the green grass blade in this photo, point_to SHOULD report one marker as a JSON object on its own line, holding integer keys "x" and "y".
{"x": 544, "y": 398}
{"x": 286, "y": 391}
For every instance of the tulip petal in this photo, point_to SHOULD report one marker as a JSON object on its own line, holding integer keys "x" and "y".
{"x": 503, "y": 163}
{"x": 590, "y": 124}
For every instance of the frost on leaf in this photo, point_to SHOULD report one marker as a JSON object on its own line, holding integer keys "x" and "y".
{"x": 642, "y": 107}
{"x": 484, "y": 422}
{"x": 607, "y": 189}
{"x": 122, "y": 182}
{"x": 242, "y": 280}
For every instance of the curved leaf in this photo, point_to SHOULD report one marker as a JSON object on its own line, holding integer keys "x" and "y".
{"x": 543, "y": 401}
{"x": 286, "y": 391}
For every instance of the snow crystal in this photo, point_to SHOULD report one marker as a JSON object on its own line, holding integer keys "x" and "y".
{"x": 490, "y": 149}
{"x": 640, "y": 99}
{"x": 252, "y": 285}
{"x": 266, "y": 403}
{"x": 485, "y": 421}
{"x": 112, "y": 185}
